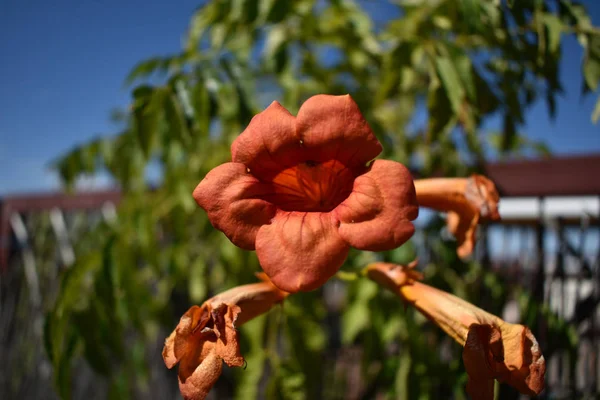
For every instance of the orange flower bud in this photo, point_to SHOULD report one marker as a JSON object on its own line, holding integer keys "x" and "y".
{"x": 493, "y": 348}
{"x": 466, "y": 200}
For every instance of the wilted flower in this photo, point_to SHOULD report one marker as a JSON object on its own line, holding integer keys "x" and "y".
{"x": 206, "y": 335}
{"x": 300, "y": 191}
{"x": 493, "y": 348}
{"x": 466, "y": 200}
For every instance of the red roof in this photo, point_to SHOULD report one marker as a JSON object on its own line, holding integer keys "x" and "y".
{"x": 558, "y": 176}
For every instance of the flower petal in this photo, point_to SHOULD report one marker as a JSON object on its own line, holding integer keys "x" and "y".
{"x": 509, "y": 353}
{"x": 525, "y": 364}
{"x": 195, "y": 357}
{"x": 228, "y": 345}
{"x": 168, "y": 352}
{"x": 483, "y": 196}
{"x": 332, "y": 127}
{"x": 269, "y": 143}
{"x": 463, "y": 226}
{"x": 253, "y": 300}
{"x": 229, "y": 194}
{"x": 300, "y": 251}
{"x": 467, "y": 201}
{"x": 377, "y": 214}
{"x": 197, "y": 385}
{"x": 188, "y": 331}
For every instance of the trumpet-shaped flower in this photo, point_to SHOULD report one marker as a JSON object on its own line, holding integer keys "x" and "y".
{"x": 493, "y": 348}
{"x": 206, "y": 335}
{"x": 300, "y": 191}
{"x": 466, "y": 200}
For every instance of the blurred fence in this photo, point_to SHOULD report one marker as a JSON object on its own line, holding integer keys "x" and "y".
{"x": 546, "y": 244}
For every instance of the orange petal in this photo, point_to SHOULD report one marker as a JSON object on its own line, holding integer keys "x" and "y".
{"x": 300, "y": 251}
{"x": 311, "y": 186}
{"x": 332, "y": 127}
{"x": 232, "y": 199}
{"x": 378, "y": 213}
{"x": 463, "y": 227}
{"x": 270, "y": 143}
{"x": 197, "y": 385}
{"x": 188, "y": 331}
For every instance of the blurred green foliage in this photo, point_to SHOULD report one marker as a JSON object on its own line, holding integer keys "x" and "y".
{"x": 426, "y": 75}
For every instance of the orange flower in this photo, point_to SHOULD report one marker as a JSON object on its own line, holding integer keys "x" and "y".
{"x": 466, "y": 200}
{"x": 493, "y": 348}
{"x": 206, "y": 335}
{"x": 300, "y": 192}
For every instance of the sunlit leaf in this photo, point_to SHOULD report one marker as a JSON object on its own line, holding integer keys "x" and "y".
{"x": 450, "y": 82}
{"x": 591, "y": 63}
{"x": 596, "y": 113}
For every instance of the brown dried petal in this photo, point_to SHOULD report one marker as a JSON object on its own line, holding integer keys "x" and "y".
{"x": 481, "y": 193}
{"x": 508, "y": 353}
{"x": 227, "y": 344}
{"x": 168, "y": 352}
{"x": 525, "y": 364}
{"x": 197, "y": 385}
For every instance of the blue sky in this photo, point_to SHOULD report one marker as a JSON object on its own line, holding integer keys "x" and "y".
{"x": 64, "y": 63}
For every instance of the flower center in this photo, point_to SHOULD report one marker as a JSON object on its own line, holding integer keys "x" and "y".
{"x": 312, "y": 186}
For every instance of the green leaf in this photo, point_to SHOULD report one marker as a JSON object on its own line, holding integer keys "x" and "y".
{"x": 356, "y": 317}
{"x": 596, "y": 113}
{"x": 471, "y": 13}
{"x": 554, "y": 28}
{"x": 146, "y": 118}
{"x": 146, "y": 68}
{"x": 464, "y": 68}
{"x": 441, "y": 116}
{"x": 450, "y": 82}
{"x": 197, "y": 281}
{"x": 175, "y": 121}
{"x": 509, "y": 137}
{"x": 253, "y": 334}
{"x": 402, "y": 380}
{"x": 591, "y": 63}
